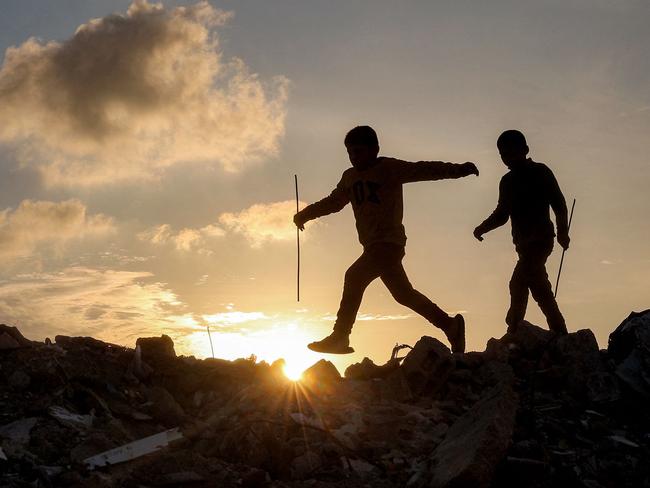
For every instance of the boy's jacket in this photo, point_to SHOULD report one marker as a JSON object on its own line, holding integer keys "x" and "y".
{"x": 526, "y": 193}
{"x": 376, "y": 196}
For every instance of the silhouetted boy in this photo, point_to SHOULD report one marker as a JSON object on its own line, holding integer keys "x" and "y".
{"x": 525, "y": 194}
{"x": 374, "y": 187}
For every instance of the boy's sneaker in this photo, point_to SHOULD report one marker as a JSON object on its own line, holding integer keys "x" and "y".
{"x": 456, "y": 333}
{"x": 333, "y": 344}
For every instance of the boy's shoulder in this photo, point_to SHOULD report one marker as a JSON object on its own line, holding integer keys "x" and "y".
{"x": 541, "y": 167}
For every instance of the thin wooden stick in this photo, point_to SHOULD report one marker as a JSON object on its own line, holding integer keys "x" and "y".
{"x": 297, "y": 243}
{"x": 211, "y": 346}
{"x": 557, "y": 282}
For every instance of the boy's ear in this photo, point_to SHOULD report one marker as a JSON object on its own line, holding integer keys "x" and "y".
{"x": 526, "y": 150}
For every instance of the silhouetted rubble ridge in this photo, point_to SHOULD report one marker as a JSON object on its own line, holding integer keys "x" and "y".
{"x": 533, "y": 410}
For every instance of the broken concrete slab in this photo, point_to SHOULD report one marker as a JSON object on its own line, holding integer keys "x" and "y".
{"x": 477, "y": 441}
{"x": 629, "y": 347}
{"x": 164, "y": 406}
{"x": 427, "y": 366}
{"x": 154, "y": 349}
{"x": 18, "y": 431}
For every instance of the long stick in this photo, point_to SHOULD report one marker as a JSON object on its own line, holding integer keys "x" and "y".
{"x": 298, "y": 243}
{"x": 564, "y": 250}
{"x": 210, "y": 337}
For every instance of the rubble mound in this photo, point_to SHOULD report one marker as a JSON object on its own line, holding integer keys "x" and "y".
{"x": 533, "y": 409}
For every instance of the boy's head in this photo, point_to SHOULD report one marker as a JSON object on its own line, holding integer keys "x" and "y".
{"x": 362, "y": 145}
{"x": 512, "y": 147}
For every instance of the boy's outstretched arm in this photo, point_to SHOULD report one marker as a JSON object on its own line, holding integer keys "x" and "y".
{"x": 407, "y": 172}
{"x": 334, "y": 202}
{"x": 558, "y": 204}
{"x": 497, "y": 218}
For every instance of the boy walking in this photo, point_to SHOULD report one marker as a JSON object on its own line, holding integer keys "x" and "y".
{"x": 374, "y": 188}
{"x": 525, "y": 194}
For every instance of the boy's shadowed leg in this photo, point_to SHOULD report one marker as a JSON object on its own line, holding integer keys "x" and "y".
{"x": 384, "y": 260}
{"x": 530, "y": 273}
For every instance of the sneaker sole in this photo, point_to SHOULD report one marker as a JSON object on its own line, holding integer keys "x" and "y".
{"x": 316, "y": 348}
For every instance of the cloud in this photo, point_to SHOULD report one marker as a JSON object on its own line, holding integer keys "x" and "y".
{"x": 232, "y": 318}
{"x": 259, "y": 224}
{"x": 184, "y": 240}
{"x": 131, "y": 94}
{"x": 112, "y": 305}
{"x": 263, "y": 222}
{"x": 35, "y": 223}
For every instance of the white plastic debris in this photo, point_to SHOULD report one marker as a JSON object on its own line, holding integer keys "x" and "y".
{"x": 134, "y": 449}
{"x": 69, "y": 419}
{"x": 622, "y": 440}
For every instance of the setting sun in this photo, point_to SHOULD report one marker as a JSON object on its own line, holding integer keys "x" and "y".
{"x": 293, "y": 371}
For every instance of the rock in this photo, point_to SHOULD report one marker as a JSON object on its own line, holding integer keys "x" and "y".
{"x": 497, "y": 350}
{"x": 427, "y": 366}
{"x": 19, "y": 380}
{"x": 529, "y": 339}
{"x": 164, "y": 407}
{"x": 180, "y": 478}
{"x": 629, "y": 347}
{"x": 495, "y": 372}
{"x": 17, "y": 433}
{"x": 602, "y": 388}
{"x": 255, "y": 478}
{"x": 366, "y": 370}
{"x": 395, "y": 387}
{"x": 477, "y": 441}
{"x": 8, "y": 342}
{"x": 11, "y": 338}
{"x": 68, "y": 342}
{"x": 304, "y": 465}
{"x": 576, "y": 357}
{"x": 156, "y": 349}
{"x": 138, "y": 367}
{"x": 323, "y": 372}
{"x": 94, "y": 444}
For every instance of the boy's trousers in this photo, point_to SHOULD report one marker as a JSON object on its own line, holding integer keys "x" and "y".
{"x": 530, "y": 274}
{"x": 383, "y": 260}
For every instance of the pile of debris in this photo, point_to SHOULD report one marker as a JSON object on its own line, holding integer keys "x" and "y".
{"x": 531, "y": 410}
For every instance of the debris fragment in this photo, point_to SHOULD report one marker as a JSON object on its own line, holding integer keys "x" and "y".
{"x": 134, "y": 450}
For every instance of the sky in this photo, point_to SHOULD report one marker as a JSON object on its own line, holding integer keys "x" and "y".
{"x": 147, "y": 155}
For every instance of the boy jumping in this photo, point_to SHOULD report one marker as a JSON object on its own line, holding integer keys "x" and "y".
{"x": 525, "y": 194}
{"x": 374, "y": 188}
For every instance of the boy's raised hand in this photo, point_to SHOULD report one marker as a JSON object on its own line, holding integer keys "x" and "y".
{"x": 564, "y": 240}
{"x": 298, "y": 220}
{"x": 478, "y": 234}
{"x": 471, "y": 168}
